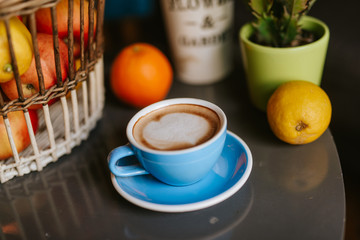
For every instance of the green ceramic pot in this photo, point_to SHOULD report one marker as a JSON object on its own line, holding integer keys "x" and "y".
{"x": 268, "y": 67}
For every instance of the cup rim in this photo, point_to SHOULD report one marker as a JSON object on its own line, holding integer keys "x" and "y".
{"x": 175, "y": 101}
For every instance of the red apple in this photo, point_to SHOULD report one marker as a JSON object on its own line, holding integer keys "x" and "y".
{"x": 77, "y": 49}
{"x": 29, "y": 80}
{"x": 34, "y": 119}
{"x": 44, "y": 23}
{"x": 19, "y": 131}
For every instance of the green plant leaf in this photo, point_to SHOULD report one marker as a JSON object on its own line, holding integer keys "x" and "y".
{"x": 260, "y": 7}
{"x": 267, "y": 32}
{"x": 297, "y": 8}
{"x": 291, "y": 32}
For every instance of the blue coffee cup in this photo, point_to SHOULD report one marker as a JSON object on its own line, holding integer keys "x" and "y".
{"x": 175, "y": 167}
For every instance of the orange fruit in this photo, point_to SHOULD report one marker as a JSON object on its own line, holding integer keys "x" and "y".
{"x": 299, "y": 112}
{"x": 141, "y": 75}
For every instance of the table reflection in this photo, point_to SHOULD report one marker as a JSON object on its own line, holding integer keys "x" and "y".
{"x": 299, "y": 175}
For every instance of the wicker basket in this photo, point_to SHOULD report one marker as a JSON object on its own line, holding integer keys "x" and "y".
{"x": 64, "y": 124}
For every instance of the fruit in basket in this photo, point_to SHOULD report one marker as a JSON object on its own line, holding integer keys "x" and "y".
{"x": 29, "y": 80}
{"x": 141, "y": 75}
{"x": 22, "y": 43}
{"x": 44, "y": 23}
{"x": 34, "y": 119}
{"x": 78, "y": 85}
{"x": 77, "y": 49}
{"x": 19, "y": 132}
{"x": 299, "y": 112}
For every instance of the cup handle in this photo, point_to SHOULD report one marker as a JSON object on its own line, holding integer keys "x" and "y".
{"x": 124, "y": 171}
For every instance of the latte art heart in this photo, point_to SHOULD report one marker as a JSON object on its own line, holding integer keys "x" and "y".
{"x": 176, "y": 130}
{"x": 176, "y": 127}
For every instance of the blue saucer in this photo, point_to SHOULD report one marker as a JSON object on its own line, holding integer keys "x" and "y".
{"x": 227, "y": 176}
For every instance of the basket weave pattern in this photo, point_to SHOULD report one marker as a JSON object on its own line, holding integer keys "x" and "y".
{"x": 64, "y": 124}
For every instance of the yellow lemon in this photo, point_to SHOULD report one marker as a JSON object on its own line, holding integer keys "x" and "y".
{"x": 299, "y": 112}
{"x": 22, "y": 43}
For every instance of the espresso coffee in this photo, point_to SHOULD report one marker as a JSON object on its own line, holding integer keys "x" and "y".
{"x": 176, "y": 127}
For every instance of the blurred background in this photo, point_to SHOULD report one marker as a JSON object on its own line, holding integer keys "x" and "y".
{"x": 142, "y": 19}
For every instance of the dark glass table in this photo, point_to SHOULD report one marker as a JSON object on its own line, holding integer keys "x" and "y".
{"x": 294, "y": 192}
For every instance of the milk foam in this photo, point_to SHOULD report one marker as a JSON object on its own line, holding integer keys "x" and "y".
{"x": 176, "y": 129}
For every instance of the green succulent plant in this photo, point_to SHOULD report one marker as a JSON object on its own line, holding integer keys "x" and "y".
{"x": 277, "y": 22}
